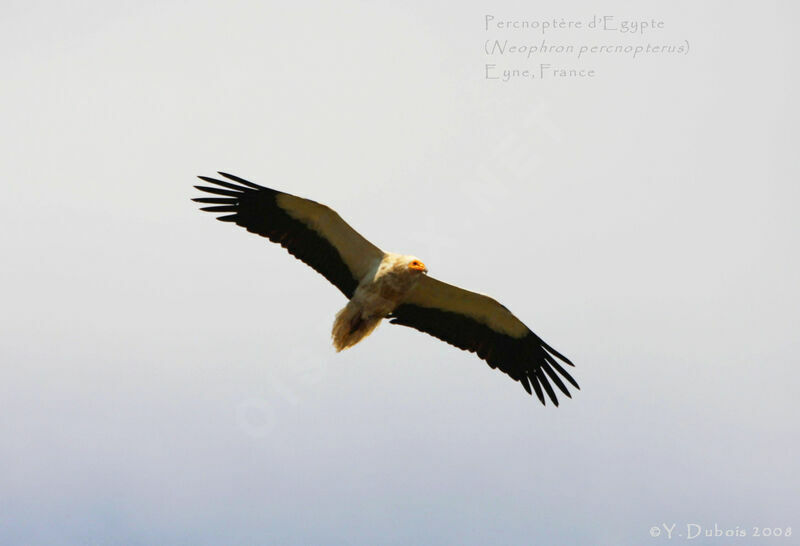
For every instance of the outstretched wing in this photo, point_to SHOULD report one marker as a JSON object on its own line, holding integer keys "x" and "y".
{"x": 309, "y": 230}
{"x": 479, "y": 324}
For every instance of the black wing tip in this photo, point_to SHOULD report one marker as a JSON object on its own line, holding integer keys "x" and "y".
{"x": 241, "y": 180}
{"x": 554, "y": 378}
{"x": 537, "y": 381}
{"x": 541, "y": 383}
{"x": 538, "y": 389}
{"x": 241, "y": 186}
{"x": 219, "y": 191}
{"x": 555, "y": 353}
{"x": 207, "y": 179}
{"x": 216, "y": 200}
{"x": 546, "y": 384}
{"x": 220, "y": 208}
{"x": 550, "y": 362}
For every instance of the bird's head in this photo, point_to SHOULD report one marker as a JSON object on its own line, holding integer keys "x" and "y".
{"x": 414, "y": 264}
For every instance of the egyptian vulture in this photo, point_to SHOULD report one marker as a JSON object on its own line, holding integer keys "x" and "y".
{"x": 382, "y": 285}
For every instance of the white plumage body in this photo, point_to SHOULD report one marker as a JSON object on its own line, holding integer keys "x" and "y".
{"x": 377, "y": 295}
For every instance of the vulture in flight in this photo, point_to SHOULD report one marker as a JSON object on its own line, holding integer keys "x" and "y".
{"x": 382, "y": 285}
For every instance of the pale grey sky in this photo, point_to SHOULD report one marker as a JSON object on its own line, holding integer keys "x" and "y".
{"x": 168, "y": 379}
